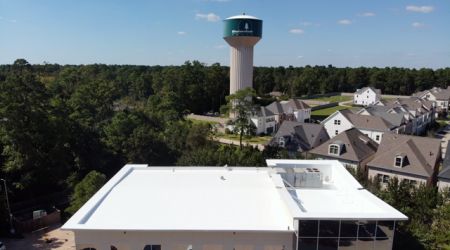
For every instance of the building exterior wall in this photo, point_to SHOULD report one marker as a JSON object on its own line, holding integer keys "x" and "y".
{"x": 302, "y": 115}
{"x": 373, "y": 173}
{"x": 103, "y": 240}
{"x": 374, "y": 135}
{"x": 366, "y": 98}
{"x": 443, "y": 184}
{"x": 331, "y": 127}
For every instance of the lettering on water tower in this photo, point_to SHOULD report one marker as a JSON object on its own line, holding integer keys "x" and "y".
{"x": 243, "y": 29}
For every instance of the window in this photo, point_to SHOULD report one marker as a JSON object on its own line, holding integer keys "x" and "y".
{"x": 337, "y": 122}
{"x": 385, "y": 178}
{"x": 398, "y": 161}
{"x": 377, "y": 137}
{"x": 152, "y": 247}
{"x": 334, "y": 149}
{"x": 336, "y": 132}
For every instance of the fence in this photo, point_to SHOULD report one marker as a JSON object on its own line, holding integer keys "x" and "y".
{"x": 318, "y": 95}
{"x": 33, "y": 225}
{"x": 323, "y": 106}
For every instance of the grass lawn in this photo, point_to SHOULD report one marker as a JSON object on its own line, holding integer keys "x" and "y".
{"x": 328, "y": 111}
{"x": 336, "y": 98}
{"x": 195, "y": 121}
{"x": 245, "y": 139}
{"x": 442, "y": 123}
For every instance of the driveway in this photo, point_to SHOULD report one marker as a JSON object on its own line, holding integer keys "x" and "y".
{"x": 51, "y": 238}
{"x": 444, "y": 135}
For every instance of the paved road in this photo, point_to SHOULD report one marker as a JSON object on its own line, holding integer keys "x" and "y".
{"x": 382, "y": 96}
{"x": 207, "y": 118}
{"x": 444, "y": 139}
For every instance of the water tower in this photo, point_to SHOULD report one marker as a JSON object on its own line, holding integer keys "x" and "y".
{"x": 241, "y": 32}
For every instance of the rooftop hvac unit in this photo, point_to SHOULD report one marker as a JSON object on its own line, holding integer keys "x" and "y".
{"x": 308, "y": 178}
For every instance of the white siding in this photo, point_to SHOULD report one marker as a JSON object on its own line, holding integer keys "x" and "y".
{"x": 374, "y": 173}
{"x": 340, "y": 126}
{"x": 443, "y": 184}
{"x": 374, "y": 135}
{"x": 368, "y": 97}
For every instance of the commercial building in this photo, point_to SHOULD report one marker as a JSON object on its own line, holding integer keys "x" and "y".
{"x": 293, "y": 204}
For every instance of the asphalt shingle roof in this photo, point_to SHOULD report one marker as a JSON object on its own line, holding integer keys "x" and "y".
{"x": 307, "y": 135}
{"x": 357, "y": 146}
{"x": 422, "y": 154}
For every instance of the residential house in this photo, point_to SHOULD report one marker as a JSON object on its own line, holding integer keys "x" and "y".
{"x": 366, "y": 96}
{"x": 412, "y": 158}
{"x": 351, "y": 147}
{"x": 238, "y": 208}
{"x": 439, "y": 95}
{"x": 418, "y": 113}
{"x": 402, "y": 125}
{"x": 268, "y": 119}
{"x": 372, "y": 126}
{"x": 299, "y": 136}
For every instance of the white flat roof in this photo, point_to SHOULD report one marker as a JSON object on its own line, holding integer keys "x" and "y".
{"x": 341, "y": 196}
{"x": 185, "y": 198}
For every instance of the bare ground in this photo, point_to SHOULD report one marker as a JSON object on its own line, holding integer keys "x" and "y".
{"x": 50, "y": 238}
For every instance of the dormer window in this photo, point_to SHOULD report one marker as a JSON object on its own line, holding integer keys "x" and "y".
{"x": 399, "y": 161}
{"x": 334, "y": 149}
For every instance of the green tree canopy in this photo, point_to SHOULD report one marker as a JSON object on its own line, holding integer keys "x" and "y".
{"x": 85, "y": 189}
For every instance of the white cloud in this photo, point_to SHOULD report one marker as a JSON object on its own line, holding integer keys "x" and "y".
{"x": 367, "y": 14}
{"x": 421, "y": 9}
{"x": 306, "y": 23}
{"x": 181, "y": 33}
{"x": 418, "y": 25}
{"x": 221, "y": 46}
{"x": 296, "y": 31}
{"x": 345, "y": 22}
{"x": 300, "y": 57}
{"x": 210, "y": 17}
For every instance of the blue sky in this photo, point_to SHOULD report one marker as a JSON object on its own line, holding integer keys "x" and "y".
{"x": 296, "y": 32}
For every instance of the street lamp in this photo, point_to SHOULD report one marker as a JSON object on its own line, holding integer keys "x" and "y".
{"x": 11, "y": 228}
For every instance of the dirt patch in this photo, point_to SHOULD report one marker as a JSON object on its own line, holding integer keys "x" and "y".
{"x": 50, "y": 238}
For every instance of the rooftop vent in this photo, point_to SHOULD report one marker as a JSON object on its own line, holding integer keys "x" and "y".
{"x": 308, "y": 178}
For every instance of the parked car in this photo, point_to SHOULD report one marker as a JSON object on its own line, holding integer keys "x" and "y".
{"x": 2, "y": 246}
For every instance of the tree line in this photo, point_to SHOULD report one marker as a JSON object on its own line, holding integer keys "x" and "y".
{"x": 62, "y": 124}
{"x": 71, "y": 127}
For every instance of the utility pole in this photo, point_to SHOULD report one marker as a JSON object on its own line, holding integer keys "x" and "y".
{"x": 11, "y": 228}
